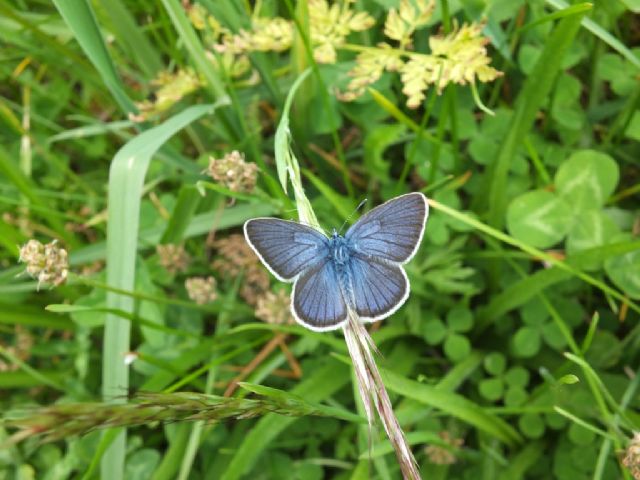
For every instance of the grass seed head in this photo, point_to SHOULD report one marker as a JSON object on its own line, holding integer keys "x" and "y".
{"x": 48, "y": 263}
{"x": 440, "y": 455}
{"x": 173, "y": 258}
{"x": 201, "y": 290}
{"x": 631, "y": 458}
{"x": 274, "y": 307}
{"x": 233, "y": 172}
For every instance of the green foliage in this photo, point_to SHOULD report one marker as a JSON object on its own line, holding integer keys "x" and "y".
{"x": 516, "y": 355}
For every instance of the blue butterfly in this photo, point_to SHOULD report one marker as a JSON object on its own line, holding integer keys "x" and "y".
{"x": 361, "y": 271}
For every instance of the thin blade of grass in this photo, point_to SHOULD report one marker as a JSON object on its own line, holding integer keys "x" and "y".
{"x": 529, "y": 101}
{"x": 80, "y": 18}
{"x": 534, "y": 252}
{"x": 454, "y": 405}
{"x": 126, "y": 181}
{"x": 601, "y": 33}
{"x": 132, "y": 38}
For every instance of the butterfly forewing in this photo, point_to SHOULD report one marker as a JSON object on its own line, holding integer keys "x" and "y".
{"x": 393, "y": 230}
{"x": 286, "y": 248}
{"x": 317, "y": 297}
{"x": 378, "y": 287}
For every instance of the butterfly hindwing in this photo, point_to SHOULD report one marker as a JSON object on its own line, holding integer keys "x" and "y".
{"x": 393, "y": 230}
{"x": 378, "y": 287}
{"x": 286, "y": 248}
{"x": 318, "y": 302}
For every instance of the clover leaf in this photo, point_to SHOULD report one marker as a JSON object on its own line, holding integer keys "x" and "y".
{"x": 508, "y": 385}
{"x": 574, "y": 211}
{"x": 455, "y": 345}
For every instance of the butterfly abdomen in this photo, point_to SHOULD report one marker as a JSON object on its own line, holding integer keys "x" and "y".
{"x": 341, "y": 251}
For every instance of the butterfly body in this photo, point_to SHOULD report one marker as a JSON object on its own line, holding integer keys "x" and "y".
{"x": 359, "y": 272}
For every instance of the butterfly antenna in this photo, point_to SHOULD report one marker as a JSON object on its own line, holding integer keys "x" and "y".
{"x": 360, "y": 205}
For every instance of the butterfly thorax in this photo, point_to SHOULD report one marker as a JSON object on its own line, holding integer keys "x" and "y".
{"x": 340, "y": 249}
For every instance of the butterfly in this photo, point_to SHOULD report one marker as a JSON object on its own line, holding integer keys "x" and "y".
{"x": 360, "y": 271}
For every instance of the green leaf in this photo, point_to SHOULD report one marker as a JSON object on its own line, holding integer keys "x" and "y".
{"x": 343, "y": 205}
{"x": 495, "y": 363}
{"x": 530, "y": 99}
{"x": 624, "y": 272}
{"x": 126, "y": 182}
{"x": 601, "y": 33}
{"x": 457, "y": 347}
{"x": 591, "y": 229}
{"x": 491, "y": 388}
{"x": 526, "y": 342}
{"x": 81, "y": 20}
{"x": 183, "y": 212}
{"x": 587, "y": 179}
{"x": 192, "y": 42}
{"x": 132, "y": 38}
{"x": 460, "y": 319}
{"x": 377, "y": 140}
{"x": 517, "y": 377}
{"x": 532, "y": 425}
{"x": 566, "y": 109}
{"x": 540, "y": 218}
{"x": 285, "y": 164}
{"x": 434, "y": 331}
{"x": 515, "y": 396}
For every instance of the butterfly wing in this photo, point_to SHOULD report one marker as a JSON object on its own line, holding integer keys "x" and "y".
{"x": 317, "y": 301}
{"x": 393, "y": 230}
{"x": 286, "y": 248}
{"x": 378, "y": 287}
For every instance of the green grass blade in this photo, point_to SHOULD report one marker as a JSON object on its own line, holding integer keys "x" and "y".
{"x": 601, "y": 33}
{"x": 130, "y": 36}
{"x": 184, "y": 210}
{"x": 80, "y": 18}
{"x": 10, "y": 171}
{"x": 452, "y": 404}
{"x": 534, "y": 252}
{"x": 126, "y": 181}
{"x": 193, "y": 45}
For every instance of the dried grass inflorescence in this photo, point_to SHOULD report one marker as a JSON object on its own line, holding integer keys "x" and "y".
{"x": 233, "y": 172}
{"x": 201, "y": 290}
{"x": 275, "y": 308}
{"x": 173, "y": 258}
{"x": 440, "y": 455}
{"x": 236, "y": 258}
{"x": 48, "y": 263}
{"x": 631, "y": 458}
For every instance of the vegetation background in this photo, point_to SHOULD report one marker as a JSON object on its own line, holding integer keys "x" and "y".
{"x": 136, "y": 139}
